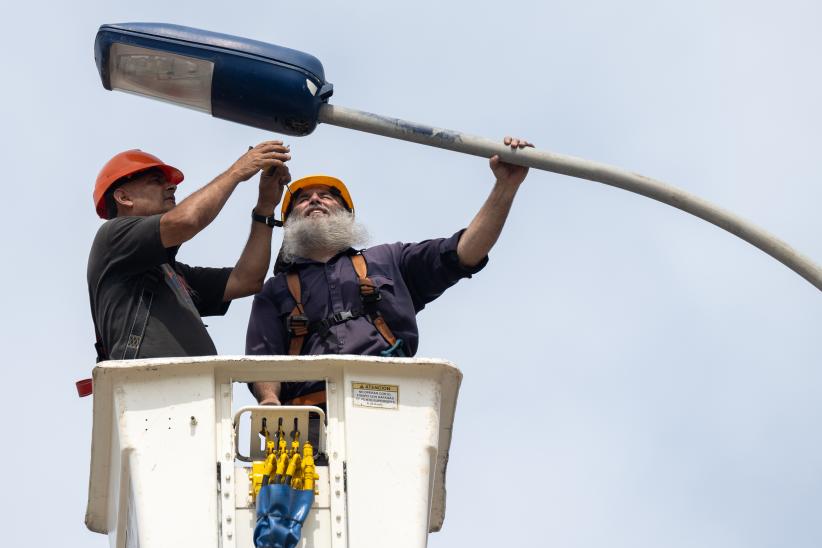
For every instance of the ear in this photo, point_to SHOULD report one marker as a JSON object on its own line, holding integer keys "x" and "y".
{"x": 122, "y": 198}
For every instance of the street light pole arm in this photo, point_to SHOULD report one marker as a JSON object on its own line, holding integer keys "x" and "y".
{"x": 577, "y": 167}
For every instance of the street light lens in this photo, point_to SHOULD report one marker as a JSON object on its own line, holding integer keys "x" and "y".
{"x": 161, "y": 75}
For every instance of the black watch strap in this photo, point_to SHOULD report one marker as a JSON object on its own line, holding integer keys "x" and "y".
{"x": 270, "y": 221}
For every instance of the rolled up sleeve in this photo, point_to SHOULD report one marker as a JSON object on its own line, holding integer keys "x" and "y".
{"x": 266, "y": 333}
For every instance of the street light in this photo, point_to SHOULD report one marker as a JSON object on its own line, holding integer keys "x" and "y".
{"x": 284, "y": 90}
{"x": 245, "y": 81}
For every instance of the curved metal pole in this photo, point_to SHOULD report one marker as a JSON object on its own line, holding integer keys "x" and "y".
{"x": 577, "y": 167}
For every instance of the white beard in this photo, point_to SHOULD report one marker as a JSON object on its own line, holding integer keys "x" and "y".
{"x": 321, "y": 235}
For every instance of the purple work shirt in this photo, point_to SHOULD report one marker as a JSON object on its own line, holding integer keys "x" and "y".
{"x": 409, "y": 276}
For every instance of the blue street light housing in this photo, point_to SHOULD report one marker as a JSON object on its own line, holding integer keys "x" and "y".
{"x": 237, "y": 79}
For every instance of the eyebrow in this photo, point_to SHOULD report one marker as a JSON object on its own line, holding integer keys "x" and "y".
{"x": 302, "y": 194}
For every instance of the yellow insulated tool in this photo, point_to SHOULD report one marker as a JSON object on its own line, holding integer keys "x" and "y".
{"x": 268, "y": 467}
{"x": 256, "y": 478}
{"x": 282, "y": 461}
{"x": 293, "y": 468}
{"x": 293, "y": 456}
{"x": 309, "y": 471}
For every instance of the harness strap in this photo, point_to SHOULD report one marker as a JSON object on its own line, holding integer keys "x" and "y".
{"x": 299, "y": 327}
{"x": 138, "y": 326}
{"x": 141, "y": 315}
{"x": 297, "y": 322}
{"x": 370, "y": 295}
{"x": 323, "y": 326}
{"x": 136, "y": 333}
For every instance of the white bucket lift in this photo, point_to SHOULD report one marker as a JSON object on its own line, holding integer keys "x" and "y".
{"x": 165, "y": 469}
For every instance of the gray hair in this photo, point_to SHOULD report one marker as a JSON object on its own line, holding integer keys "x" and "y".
{"x": 313, "y": 235}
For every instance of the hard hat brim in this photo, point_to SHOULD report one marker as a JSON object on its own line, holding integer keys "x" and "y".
{"x": 128, "y": 164}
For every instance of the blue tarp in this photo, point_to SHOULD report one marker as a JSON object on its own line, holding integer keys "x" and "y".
{"x": 281, "y": 512}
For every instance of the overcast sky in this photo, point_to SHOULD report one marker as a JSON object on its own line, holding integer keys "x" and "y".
{"x": 634, "y": 377}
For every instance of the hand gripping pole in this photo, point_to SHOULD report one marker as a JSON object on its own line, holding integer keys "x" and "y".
{"x": 577, "y": 167}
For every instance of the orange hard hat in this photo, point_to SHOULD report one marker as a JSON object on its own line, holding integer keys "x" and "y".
{"x": 336, "y": 186}
{"x": 128, "y": 163}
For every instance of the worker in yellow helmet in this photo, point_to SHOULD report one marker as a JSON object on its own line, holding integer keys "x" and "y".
{"x": 329, "y": 297}
{"x": 144, "y": 302}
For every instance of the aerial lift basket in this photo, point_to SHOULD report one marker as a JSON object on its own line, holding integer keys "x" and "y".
{"x": 169, "y": 468}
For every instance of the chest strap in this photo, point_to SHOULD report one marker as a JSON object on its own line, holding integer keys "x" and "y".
{"x": 370, "y": 295}
{"x": 299, "y": 327}
{"x": 322, "y": 327}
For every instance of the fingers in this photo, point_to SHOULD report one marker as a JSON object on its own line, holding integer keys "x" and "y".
{"x": 270, "y": 168}
{"x": 266, "y": 156}
{"x": 269, "y": 144}
{"x": 266, "y": 148}
{"x": 515, "y": 142}
{"x": 278, "y": 172}
{"x": 285, "y": 175}
{"x": 273, "y": 159}
{"x": 270, "y": 155}
{"x": 278, "y": 154}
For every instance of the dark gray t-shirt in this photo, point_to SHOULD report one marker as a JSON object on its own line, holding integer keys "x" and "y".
{"x": 124, "y": 250}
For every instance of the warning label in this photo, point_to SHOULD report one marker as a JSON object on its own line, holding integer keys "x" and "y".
{"x": 380, "y": 396}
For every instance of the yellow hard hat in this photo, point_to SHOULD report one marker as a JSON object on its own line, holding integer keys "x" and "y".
{"x": 337, "y": 187}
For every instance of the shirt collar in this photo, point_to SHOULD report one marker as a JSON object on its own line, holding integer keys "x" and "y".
{"x": 300, "y": 262}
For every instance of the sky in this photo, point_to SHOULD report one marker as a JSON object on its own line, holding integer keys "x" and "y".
{"x": 633, "y": 376}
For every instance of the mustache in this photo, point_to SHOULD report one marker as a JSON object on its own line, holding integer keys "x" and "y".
{"x": 312, "y": 209}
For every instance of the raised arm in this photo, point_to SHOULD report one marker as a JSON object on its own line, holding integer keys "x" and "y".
{"x": 249, "y": 273}
{"x": 485, "y": 228}
{"x": 197, "y": 211}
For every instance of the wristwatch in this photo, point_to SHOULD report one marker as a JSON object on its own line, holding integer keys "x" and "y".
{"x": 269, "y": 221}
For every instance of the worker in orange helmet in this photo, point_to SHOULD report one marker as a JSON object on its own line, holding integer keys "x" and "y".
{"x": 144, "y": 302}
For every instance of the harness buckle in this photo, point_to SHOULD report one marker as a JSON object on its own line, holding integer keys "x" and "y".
{"x": 343, "y": 316}
{"x": 297, "y": 325}
{"x": 369, "y": 293}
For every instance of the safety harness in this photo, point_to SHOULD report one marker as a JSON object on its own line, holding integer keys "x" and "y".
{"x": 299, "y": 326}
{"x": 148, "y": 286}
